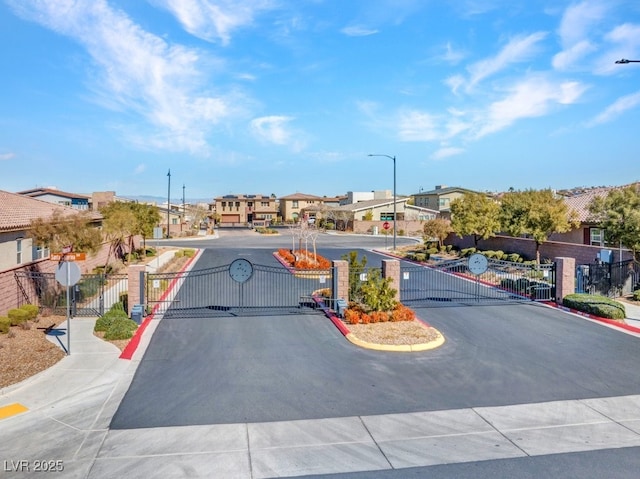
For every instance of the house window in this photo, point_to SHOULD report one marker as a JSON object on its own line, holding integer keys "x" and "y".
{"x": 264, "y": 203}
{"x": 224, "y": 204}
{"x": 19, "y": 251}
{"x": 443, "y": 202}
{"x": 237, "y": 204}
{"x": 294, "y": 203}
{"x": 174, "y": 221}
{"x": 249, "y": 203}
{"x": 40, "y": 252}
{"x": 596, "y": 237}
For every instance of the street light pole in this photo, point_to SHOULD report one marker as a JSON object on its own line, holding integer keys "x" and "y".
{"x": 393, "y": 158}
{"x": 168, "y": 200}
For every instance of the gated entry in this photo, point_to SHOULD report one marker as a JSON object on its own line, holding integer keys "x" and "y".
{"x": 452, "y": 282}
{"x": 93, "y": 295}
{"x": 229, "y": 291}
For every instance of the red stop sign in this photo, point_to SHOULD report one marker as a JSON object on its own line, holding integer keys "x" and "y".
{"x": 386, "y": 225}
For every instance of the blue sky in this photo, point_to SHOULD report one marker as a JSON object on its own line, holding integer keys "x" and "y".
{"x": 279, "y": 96}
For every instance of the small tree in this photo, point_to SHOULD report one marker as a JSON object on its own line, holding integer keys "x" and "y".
{"x": 377, "y": 293}
{"x": 538, "y": 213}
{"x": 77, "y": 229}
{"x": 438, "y": 228}
{"x": 475, "y": 214}
{"x": 618, "y": 214}
{"x": 356, "y": 268}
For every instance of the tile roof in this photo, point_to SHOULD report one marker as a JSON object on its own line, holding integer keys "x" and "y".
{"x": 35, "y": 192}
{"x": 17, "y": 211}
{"x": 302, "y": 196}
{"x": 580, "y": 203}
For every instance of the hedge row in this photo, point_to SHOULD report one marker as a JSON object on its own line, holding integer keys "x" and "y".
{"x": 600, "y": 306}
{"x": 18, "y": 316}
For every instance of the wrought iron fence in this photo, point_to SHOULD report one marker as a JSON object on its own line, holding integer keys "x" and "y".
{"x": 608, "y": 279}
{"x": 93, "y": 295}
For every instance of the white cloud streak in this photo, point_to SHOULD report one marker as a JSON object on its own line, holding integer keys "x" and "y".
{"x": 275, "y": 129}
{"x": 137, "y": 71}
{"x": 7, "y": 156}
{"x": 213, "y": 20}
{"x": 532, "y": 97}
{"x": 617, "y": 108}
{"x": 358, "y": 31}
{"x": 519, "y": 49}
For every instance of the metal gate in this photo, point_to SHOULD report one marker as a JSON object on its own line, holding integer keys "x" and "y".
{"x": 91, "y": 296}
{"x": 207, "y": 292}
{"x": 451, "y": 282}
{"x": 608, "y": 279}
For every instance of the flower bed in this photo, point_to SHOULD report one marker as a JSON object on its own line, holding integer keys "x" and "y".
{"x": 301, "y": 259}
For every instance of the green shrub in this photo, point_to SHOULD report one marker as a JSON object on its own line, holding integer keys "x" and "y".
{"x": 431, "y": 251}
{"x": 594, "y": 304}
{"x": 513, "y": 257}
{"x": 124, "y": 301}
{"x": 17, "y": 316}
{"x": 467, "y": 252}
{"x": 32, "y": 310}
{"x": 420, "y": 257}
{"x": 636, "y": 295}
{"x": 188, "y": 253}
{"x": 104, "y": 322}
{"x": 5, "y": 324}
{"x": 121, "y": 328}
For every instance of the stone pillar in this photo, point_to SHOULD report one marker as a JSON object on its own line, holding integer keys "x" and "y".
{"x": 391, "y": 269}
{"x": 565, "y": 277}
{"x": 134, "y": 273}
{"x": 340, "y": 280}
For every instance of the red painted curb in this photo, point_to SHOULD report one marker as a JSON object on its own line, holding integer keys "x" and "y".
{"x": 611, "y": 322}
{"x": 130, "y": 348}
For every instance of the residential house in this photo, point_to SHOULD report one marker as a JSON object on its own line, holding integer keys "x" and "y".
{"x": 17, "y": 250}
{"x": 243, "y": 210}
{"x": 358, "y": 196}
{"x": 439, "y": 198}
{"x": 300, "y": 205}
{"x": 371, "y": 216}
{"x": 58, "y": 197}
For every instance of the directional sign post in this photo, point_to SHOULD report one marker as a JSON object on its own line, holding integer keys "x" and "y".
{"x": 68, "y": 274}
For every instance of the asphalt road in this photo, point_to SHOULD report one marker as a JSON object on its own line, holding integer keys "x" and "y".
{"x": 269, "y": 368}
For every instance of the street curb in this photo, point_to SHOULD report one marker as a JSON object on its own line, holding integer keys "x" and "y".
{"x": 132, "y": 346}
{"x": 610, "y": 322}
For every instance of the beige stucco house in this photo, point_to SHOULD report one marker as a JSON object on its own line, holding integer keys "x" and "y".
{"x": 243, "y": 210}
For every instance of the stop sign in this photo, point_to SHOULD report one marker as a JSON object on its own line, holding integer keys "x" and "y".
{"x": 386, "y": 225}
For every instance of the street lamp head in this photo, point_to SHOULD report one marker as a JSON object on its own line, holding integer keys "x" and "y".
{"x": 624, "y": 60}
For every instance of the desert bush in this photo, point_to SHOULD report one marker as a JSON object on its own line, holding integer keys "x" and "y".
{"x": 636, "y": 295}
{"x": 421, "y": 257}
{"x": 188, "y": 253}
{"x": 379, "y": 316}
{"x": 352, "y": 316}
{"x": 513, "y": 257}
{"x": 17, "y": 316}
{"x": 377, "y": 293}
{"x": 104, "y": 322}
{"x": 600, "y": 306}
{"x": 402, "y": 313}
{"x": 32, "y": 310}
{"x": 5, "y": 324}
{"x": 120, "y": 328}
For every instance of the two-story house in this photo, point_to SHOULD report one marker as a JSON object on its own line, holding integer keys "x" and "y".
{"x": 292, "y": 206}
{"x": 58, "y": 197}
{"x": 439, "y": 198}
{"x": 243, "y": 210}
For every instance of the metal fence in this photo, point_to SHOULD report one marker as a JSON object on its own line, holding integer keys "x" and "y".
{"x": 608, "y": 279}
{"x": 212, "y": 291}
{"x": 452, "y": 282}
{"x": 92, "y": 295}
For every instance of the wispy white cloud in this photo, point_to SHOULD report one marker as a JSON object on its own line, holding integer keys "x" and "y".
{"x": 414, "y": 125}
{"x": 275, "y": 129}
{"x": 617, "y": 108}
{"x": 623, "y": 41}
{"x": 531, "y": 97}
{"x": 7, "y": 156}
{"x": 452, "y": 55}
{"x": 518, "y": 49}
{"x": 138, "y": 72}
{"x": 141, "y": 168}
{"x": 576, "y": 26}
{"x": 358, "y": 31}
{"x": 447, "y": 152}
{"x": 213, "y": 20}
